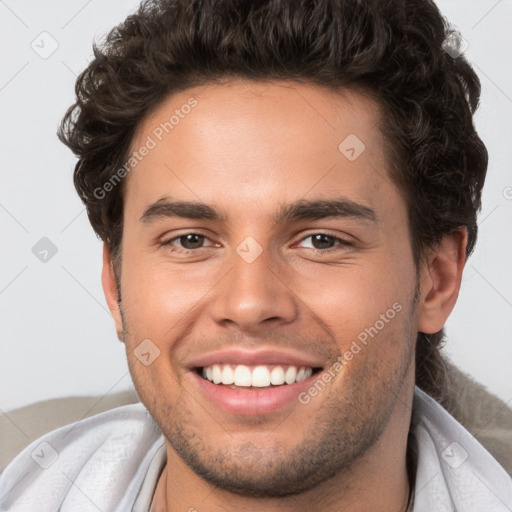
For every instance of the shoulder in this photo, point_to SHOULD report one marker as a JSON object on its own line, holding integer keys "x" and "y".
{"x": 25, "y": 424}
{"x": 96, "y": 463}
{"x": 452, "y": 466}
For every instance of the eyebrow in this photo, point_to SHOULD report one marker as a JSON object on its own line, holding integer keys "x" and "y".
{"x": 299, "y": 210}
{"x": 184, "y": 209}
{"x": 324, "y": 208}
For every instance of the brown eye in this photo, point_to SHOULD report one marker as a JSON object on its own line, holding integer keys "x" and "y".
{"x": 324, "y": 242}
{"x": 191, "y": 241}
{"x": 187, "y": 242}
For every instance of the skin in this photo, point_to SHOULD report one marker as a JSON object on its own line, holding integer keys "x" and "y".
{"x": 246, "y": 148}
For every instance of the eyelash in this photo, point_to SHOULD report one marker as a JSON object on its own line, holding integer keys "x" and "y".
{"x": 342, "y": 242}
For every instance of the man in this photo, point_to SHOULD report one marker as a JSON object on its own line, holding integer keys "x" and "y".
{"x": 287, "y": 194}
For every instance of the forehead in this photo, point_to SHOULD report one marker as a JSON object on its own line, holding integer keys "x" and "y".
{"x": 246, "y": 143}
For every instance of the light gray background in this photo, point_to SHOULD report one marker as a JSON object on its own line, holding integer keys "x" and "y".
{"x": 57, "y": 336}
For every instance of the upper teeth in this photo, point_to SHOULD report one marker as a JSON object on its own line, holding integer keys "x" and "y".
{"x": 258, "y": 376}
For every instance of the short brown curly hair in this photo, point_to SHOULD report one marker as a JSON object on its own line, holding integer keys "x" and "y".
{"x": 393, "y": 50}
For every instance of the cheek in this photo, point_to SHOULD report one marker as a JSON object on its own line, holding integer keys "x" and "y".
{"x": 160, "y": 300}
{"x": 354, "y": 299}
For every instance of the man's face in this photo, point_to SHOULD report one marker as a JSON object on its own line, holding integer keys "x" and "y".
{"x": 258, "y": 288}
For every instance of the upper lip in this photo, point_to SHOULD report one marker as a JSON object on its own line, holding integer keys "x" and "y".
{"x": 265, "y": 356}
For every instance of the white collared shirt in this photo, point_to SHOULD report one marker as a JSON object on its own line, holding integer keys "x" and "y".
{"x": 112, "y": 462}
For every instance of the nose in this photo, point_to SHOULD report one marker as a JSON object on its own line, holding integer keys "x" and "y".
{"x": 254, "y": 295}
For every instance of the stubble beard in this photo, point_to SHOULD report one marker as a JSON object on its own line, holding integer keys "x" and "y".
{"x": 346, "y": 429}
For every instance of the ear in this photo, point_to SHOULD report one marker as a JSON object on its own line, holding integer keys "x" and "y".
{"x": 440, "y": 281}
{"x": 108, "y": 282}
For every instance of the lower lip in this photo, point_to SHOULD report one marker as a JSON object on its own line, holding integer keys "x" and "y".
{"x": 252, "y": 402}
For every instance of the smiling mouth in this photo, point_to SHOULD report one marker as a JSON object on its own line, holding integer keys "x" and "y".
{"x": 243, "y": 377}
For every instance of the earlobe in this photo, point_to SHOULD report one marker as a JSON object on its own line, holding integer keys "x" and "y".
{"x": 440, "y": 281}
{"x": 108, "y": 281}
